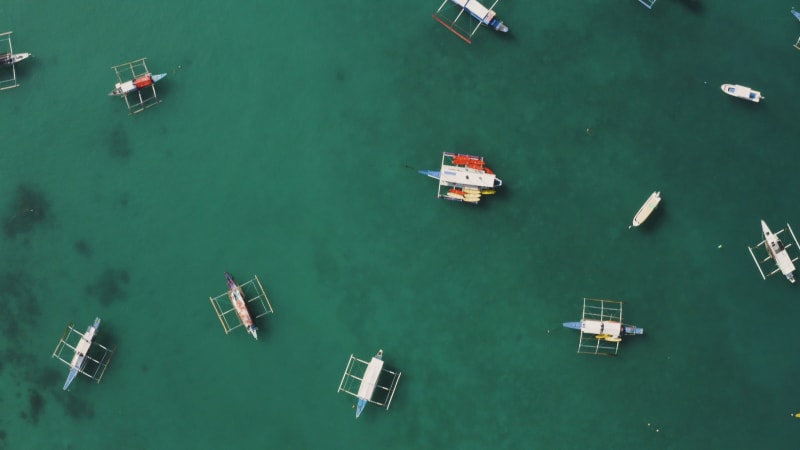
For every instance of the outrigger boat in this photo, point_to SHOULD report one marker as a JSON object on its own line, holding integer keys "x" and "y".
{"x": 451, "y": 13}
{"x": 463, "y": 178}
{"x": 777, "y": 252}
{"x": 368, "y": 382}
{"x": 738, "y": 91}
{"x": 135, "y": 78}
{"x": 601, "y": 327}
{"x": 141, "y": 82}
{"x": 239, "y": 302}
{"x": 647, "y": 208}
{"x": 81, "y": 358}
{"x": 9, "y": 59}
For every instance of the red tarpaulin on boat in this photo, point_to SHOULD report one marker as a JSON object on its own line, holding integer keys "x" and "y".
{"x": 143, "y": 82}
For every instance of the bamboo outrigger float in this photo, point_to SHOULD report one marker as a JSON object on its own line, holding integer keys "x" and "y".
{"x": 85, "y": 356}
{"x": 237, "y": 294}
{"x": 368, "y": 380}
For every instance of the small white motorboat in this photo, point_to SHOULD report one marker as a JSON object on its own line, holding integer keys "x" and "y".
{"x": 735, "y": 90}
{"x": 647, "y": 208}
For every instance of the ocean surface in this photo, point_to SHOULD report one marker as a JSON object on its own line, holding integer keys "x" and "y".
{"x": 286, "y": 146}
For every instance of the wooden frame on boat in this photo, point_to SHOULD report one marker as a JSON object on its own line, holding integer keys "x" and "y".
{"x": 131, "y": 71}
{"x": 254, "y": 295}
{"x": 453, "y": 17}
{"x": 648, "y": 3}
{"x": 601, "y": 327}
{"x": 97, "y": 357}
{"x": 797, "y": 44}
{"x": 8, "y": 83}
{"x": 362, "y": 377}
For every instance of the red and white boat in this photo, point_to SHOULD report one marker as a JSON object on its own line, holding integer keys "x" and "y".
{"x": 237, "y": 300}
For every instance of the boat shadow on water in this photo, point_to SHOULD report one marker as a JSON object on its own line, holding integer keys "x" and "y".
{"x": 694, "y": 6}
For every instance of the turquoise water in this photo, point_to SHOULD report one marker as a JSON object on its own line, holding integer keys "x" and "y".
{"x": 283, "y": 148}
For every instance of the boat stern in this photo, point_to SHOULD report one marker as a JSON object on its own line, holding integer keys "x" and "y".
{"x": 765, "y": 229}
{"x": 498, "y": 25}
{"x": 229, "y": 281}
{"x": 72, "y": 374}
{"x": 21, "y": 57}
{"x": 435, "y": 174}
{"x": 252, "y": 330}
{"x": 632, "y": 329}
{"x": 360, "y": 407}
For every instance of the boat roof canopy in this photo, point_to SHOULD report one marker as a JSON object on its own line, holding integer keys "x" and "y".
{"x": 601, "y": 327}
{"x": 454, "y": 175}
{"x": 475, "y": 7}
{"x": 370, "y": 379}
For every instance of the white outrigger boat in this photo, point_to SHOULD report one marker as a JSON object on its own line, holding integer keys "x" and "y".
{"x": 368, "y": 381}
{"x": 452, "y": 14}
{"x": 601, "y": 327}
{"x": 81, "y": 361}
{"x": 9, "y": 59}
{"x": 647, "y": 208}
{"x": 236, "y": 295}
{"x": 777, "y": 252}
{"x": 463, "y": 178}
{"x": 738, "y": 91}
{"x": 135, "y": 78}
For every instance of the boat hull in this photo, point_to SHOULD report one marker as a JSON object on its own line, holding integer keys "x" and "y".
{"x": 237, "y": 299}
{"x": 81, "y": 349}
{"x": 629, "y": 329}
{"x": 360, "y": 406}
{"x": 73, "y": 373}
{"x": 743, "y": 92}
{"x": 778, "y": 252}
{"x": 482, "y": 14}
{"x": 647, "y": 208}
{"x": 141, "y": 82}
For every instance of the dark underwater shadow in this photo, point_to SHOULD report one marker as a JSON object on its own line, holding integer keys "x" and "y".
{"x": 693, "y": 6}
